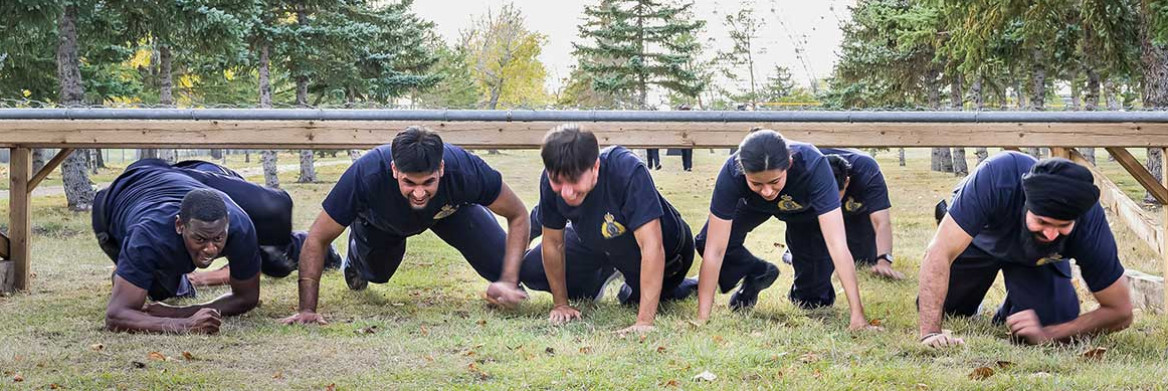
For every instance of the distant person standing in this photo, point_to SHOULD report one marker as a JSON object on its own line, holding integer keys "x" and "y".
{"x": 653, "y": 158}
{"x": 686, "y": 153}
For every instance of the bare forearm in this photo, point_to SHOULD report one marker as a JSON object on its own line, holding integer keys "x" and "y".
{"x": 652, "y": 274}
{"x": 934, "y": 286}
{"x": 708, "y": 280}
{"x": 1100, "y": 320}
{"x": 127, "y": 320}
{"x": 311, "y": 268}
{"x": 845, "y": 268}
{"x": 553, "y": 266}
{"x": 883, "y": 230}
{"x": 518, "y": 230}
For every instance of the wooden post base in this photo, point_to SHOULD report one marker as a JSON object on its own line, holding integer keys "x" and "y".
{"x": 7, "y": 277}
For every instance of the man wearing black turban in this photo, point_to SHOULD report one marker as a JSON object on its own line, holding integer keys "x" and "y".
{"x": 1027, "y": 219}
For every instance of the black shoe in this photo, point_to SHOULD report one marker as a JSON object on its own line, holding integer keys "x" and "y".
{"x": 747, "y": 295}
{"x": 333, "y": 259}
{"x": 353, "y": 278}
{"x": 626, "y": 295}
{"x": 685, "y": 289}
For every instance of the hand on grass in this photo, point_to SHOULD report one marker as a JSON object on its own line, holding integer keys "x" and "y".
{"x": 305, "y": 317}
{"x": 562, "y": 314}
{"x": 1026, "y": 327}
{"x": 637, "y": 328}
{"x": 505, "y": 294}
{"x": 942, "y": 340}
{"x": 858, "y": 324}
{"x": 205, "y": 321}
{"x": 884, "y": 269}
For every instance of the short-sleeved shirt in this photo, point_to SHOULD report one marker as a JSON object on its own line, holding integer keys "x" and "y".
{"x": 142, "y": 204}
{"x": 991, "y": 206}
{"x": 866, "y": 192}
{"x": 367, "y": 190}
{"x": 623, "y": 200}
{"x": 810, "y": 190}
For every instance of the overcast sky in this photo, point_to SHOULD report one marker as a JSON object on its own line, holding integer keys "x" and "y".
{"x": 802, "y": 35}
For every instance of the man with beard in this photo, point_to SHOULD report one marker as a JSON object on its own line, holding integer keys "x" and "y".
{"x": 418, "y": 183}
{"x": 1026, "y": 219}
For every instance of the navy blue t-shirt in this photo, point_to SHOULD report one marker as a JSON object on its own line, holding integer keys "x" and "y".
{"x": 623, "y": 200}
{"x": 369, "y": 191}
{"x": 866, "y": 192}
{"x": 810, "y": 190}
{"x": 991, "y": 206}
{"x": 142, "y": 204}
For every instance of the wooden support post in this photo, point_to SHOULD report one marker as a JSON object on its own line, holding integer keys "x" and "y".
{"x": 19, "y": 218}
{"x": 48, "y": 168}
{"x": 1164, "y": 212}
{"x": 1141, "y": 174}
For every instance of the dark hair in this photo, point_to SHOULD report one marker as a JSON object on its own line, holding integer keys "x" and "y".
{"x": 763, "y": 150}
{"x": 568, "y": 151}
{"x": 203, "y": 205}
{"x": 840, "y": 168}
{"x": 417, "y": 150}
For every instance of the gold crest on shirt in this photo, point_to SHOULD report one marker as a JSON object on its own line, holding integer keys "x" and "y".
{"x": 446, "y": 211}
{"x": 1052, "y": 258}
{"x": 788, "y": 204}
{"x": 611, "y": 228}
{"x": 851, "y": 205}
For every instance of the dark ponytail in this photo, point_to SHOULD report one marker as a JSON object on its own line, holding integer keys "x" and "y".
{"x": 763, "y": 150}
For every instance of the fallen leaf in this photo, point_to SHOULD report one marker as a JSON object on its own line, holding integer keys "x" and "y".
{"x": 660, "y": 349}
{"x": 138, "y": 364}
{"x": 586, "y": 350}
{"x": 922, "y": 386}
{"x": 429, "y": 358}
{"x": 331, "y": 387}
{"x": 481, "y": 322}
{"x": 469, "y": 353}
{"x": 1005, "y": 364}
{"x": 673, "y": 383}
{"x": 278, "y": 375}
{"x": 425, "y": 331}
{"x": 809, "y": 357}
{"x": 643, "y": 337}
{"x": 874, "y": 322}
{"x": 981, "y": 373}
{"x": 18, "y": 378}
{"x": 550, "y": 351}
{"x": 156, "y": 356}
{"x": 97, "y": 347}
{"x": 54, "y": 386}
{"x": 705, "y": 376}
{"x": 1095, "y": 354}
{"x": 817, "y": 374}
{"x": 188, "y": 356}
{"x": 366, "y": 330}
{"x": 718, "y": 339}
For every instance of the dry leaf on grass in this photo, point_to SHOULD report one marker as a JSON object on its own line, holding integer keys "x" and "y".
{"x": 719, "y": 340}
{"x": 54, "y": 386}
{"x": 809, "y": 357}
{"x": 278, "y": 375}
{"x": 981, "y": 373}
{"x": 17, "y": 378}
{"x": 96, "y": 347}
{"x": 138, "y": 364}
{"x": 660, "y": 349}
{"x": 331, "y": 387}
{"x": 425, "y": 331}
{"x": 1005, "y": 364}
{"x": 156, "y": 356}
{"x": 875, "y": 322}
{"x": 188, "y": 356}
{"x": 672, "y": 383}
{"x": 482, "y": 322}
{"x": 1095, "y": 354}
{"x": 586, "y": 350}
{"x": 705, "y": 376}
{"x": 366, "y": 330}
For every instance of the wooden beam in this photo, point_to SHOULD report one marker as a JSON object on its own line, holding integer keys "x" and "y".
{"x": 19, "y": 218}
{"x": 48, "y": 168}
{"x": 1062, "y": 152}
{"x": 1164, "y": 215}
{"x": 1013, "y": 149}
{"x": 1141, "y": 174}
{"x": 1141, "y": 222}
{"x": 502, "y": 135}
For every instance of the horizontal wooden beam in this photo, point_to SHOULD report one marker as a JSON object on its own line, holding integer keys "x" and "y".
{"x": 1141, "y": 174}
{"x": 48, "y": 168}
{"x": 294, "y": 134}
{"x": 1141, "y": 222}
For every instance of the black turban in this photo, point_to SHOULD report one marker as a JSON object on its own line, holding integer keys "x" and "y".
{"x": 1059, "y": 189}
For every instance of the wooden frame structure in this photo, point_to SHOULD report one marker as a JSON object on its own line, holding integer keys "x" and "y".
{"x": 22, "y": 129}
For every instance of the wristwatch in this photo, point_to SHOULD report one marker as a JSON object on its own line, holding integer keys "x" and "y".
{"x": 886, "y": 257}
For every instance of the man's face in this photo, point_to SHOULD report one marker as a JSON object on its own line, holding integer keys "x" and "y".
{"x": 767, "y": 184}
{"x": 574, "y": 190}
{"x": 419, "y": 187}
{"x": 1046, "y": 229}
{"x": 203, "y": 239}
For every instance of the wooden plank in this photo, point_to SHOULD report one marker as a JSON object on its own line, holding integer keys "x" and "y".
{"x": 19, "y": 217}
{"x": 1141, "y": 222}
{"x": 3, "y": 246}
{"x": 1164, "y": 215}
{"x": 501, "y": 135}
{"x": 48, "y": 168}
{"x": 1012, "y": 149}
{"x": 1062, "y": 152}
{"x": 1141, "y": 174}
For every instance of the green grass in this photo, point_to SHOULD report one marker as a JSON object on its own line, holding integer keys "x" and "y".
{"x": 433, "y": 331}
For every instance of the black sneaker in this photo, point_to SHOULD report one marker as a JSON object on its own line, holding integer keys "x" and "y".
{"x": 353, "y": 277}
{"x": 626, "y": 295}
{"x": 333, "y": 259}
{"x": 747, "y": 295}
{"x": 685, "y": 289}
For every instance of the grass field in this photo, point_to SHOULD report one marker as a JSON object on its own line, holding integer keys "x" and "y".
{"x": 428, "y": 329}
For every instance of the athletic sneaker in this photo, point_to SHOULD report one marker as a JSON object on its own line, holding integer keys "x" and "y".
{"x": 747, "y": 295}
{"x": 353, "y": 277}
{"x": 787, "y": 256}
{"x": 683, "y": 291}
{"x": 603, "y": 287}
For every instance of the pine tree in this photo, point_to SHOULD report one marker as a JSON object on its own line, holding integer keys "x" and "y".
{"x": 633, "y": 41}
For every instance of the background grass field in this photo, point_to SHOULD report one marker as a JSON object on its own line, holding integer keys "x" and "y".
{"x": 428, "y": 329}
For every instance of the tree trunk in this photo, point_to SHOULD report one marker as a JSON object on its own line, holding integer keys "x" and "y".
{"x": 900, "y": 156}
{"x": 1111, "y": 92}
{"x": 977, "y": 94}
{"x": 1020, "y": 94}
{"x": 38, "y": 159}
{"x": 1155, "y": 168}
{"x": 354, "y": 154}
{"x": 78, "y": 190}
{"x": 982, "y": 153}
{"x": 271, "y": 171}
{"x": 247, "y": 156}
{"x": 217, "y": 154}
{"x": 957, "y": 164}
{"x": 934, "y": 98}
{"x": 166, "y": 76}
{"x": 307, "y": 171}
{"x": 1154, "y": 66}
{"x": 946, "y": 159}
{"x": 100, "y": 159}
{"x": 960, "y": 166}
{"x": 168, "y": 155}
{"x": 1091, "y": 103}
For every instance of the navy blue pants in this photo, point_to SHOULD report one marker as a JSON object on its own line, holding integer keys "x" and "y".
{"x": 653, "y": 158}
{"x": 861, "y": 238}
{"x": 1046, "y": 289}
{"x": 812, "y": 263}
{"x": 586, "y": 270}
{"x": 472, "y": 230}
